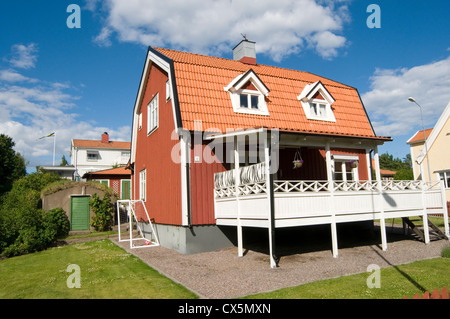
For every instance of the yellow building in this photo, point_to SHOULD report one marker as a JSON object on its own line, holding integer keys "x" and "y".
{"x": 433, "y": 158}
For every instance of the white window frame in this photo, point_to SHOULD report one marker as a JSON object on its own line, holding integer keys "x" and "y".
{"x": 140, "y": 120}
{"x": 236, "y": 101}
{"x": 92, "y": 153}
{"x": 445, "y": 176}
{"x": 307, "y": 99}
{"x": 344, "y": 162}
{"x": 153, "y": 114}
{"x": 235, "y": 90}
{"x": 143, "y": 184}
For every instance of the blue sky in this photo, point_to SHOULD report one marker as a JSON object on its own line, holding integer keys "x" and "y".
{"x": 83, "y": 81}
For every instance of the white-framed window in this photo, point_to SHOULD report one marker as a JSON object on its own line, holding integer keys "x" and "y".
{"x": 316, "y": 102}
{"x": 248, "y": 94}
{"x": 445, "y": 176}
{"x": 102, "y": 181}
{"x": 345, "y": 168}
{"x": 92, "y": 156}
{"x": 152, "y": 114}
{"x": 318, "y": 109}
{"x": 140, "y": 120}
{"x": 142, "y": 184}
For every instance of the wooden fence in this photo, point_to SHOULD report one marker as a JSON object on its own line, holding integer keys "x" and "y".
{"x": 443, "y": 294}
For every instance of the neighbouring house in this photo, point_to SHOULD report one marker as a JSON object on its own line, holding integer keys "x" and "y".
{"x": 431, "y": 161}
{"x": 385, "y": 174}
{"x": 119, "y": 179}
{"x": 223, "y": 145}
{"x": 95, "y": 155}
{"x": 65, "y": 172}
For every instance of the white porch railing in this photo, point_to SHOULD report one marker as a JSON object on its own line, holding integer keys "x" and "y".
{"x": 320, "y": 202}
{"x": 228, "y": 189}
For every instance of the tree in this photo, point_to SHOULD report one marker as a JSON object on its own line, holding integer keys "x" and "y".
{"x": 63, "y": 161}
{"x": 12, "y": 164}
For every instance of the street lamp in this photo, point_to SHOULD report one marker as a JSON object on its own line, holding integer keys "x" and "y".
{"x": 411, "y": 99}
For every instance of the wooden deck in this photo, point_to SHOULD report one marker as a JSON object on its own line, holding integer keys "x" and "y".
{"x": 252, "y": 203}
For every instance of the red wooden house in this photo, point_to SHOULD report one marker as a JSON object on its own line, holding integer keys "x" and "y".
{"x": 214, "y": 143}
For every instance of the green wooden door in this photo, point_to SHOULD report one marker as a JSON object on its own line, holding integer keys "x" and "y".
{"x": 126, "y": 194}
{"x": 79, "y": 213}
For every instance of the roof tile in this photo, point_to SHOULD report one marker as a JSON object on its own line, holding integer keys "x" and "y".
{"x": 201, "y": 81}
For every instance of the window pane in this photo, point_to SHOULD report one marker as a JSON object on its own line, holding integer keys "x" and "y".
{"x": 244, "y": 100}
{"x": 254, "y": 101}
{"x": 313, "y": 109}
{"x": 322, "y": 110}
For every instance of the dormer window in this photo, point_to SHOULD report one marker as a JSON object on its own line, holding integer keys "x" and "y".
{"x": 316, "y": 102}
{"x": 248, "y": 94}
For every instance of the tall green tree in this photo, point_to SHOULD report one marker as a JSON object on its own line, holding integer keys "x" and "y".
{"x": 12, "y": 164}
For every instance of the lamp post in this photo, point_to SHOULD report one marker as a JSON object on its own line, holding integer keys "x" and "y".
{"x": 424, "y": 137}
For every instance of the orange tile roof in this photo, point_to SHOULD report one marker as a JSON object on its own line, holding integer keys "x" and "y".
{"x": 112, "y": 171}
{"x": 200, "y": 84}
{"x": 100, "y": 144}
{"x": 418, "y": 137}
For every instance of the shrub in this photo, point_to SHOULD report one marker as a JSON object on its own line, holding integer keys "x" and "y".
{"x": 57, "y": 219}
{"x": 446, "y": 252}
{"x": 102, "y": 209}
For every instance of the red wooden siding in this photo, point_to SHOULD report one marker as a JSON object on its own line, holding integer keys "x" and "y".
{"x": 202, "y": 185}
{"x": 163, "y": 196}
{"x": 314, "y": 164}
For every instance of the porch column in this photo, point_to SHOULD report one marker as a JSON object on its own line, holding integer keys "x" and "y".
{"x": 334, "y": 243}
{"x": 237, "y": 182}
{"x": 381, "y": 200}
{"x": 271, "y": 204}
{"x": 369, "y": 165}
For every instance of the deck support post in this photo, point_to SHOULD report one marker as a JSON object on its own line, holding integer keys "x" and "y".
{"x": 236, "y": 184}
{"x": 334, "y": 241}
{"x": 381, "y": 199}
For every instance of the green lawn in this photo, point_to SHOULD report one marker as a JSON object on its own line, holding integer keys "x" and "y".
{"x": 106, "y": 271}
{"x": 396, "y": 282}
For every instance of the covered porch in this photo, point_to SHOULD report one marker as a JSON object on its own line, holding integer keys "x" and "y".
{"x": 267, "y": 195}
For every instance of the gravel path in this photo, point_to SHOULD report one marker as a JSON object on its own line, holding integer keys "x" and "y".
{"x": 222, "y": 274}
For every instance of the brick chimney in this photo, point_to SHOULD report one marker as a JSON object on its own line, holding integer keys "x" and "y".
{"x": 245, "y": 52}
{"x": 105, "y": 137}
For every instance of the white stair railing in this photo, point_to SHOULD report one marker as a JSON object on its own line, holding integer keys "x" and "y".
{"x": 148, "y": 241}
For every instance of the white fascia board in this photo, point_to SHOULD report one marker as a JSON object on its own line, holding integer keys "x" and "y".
{"x": 234, "y": 133}
{"x": 242, "y": 79}
{"x": 311, "y": 89}
{"x": 434, "y": 133}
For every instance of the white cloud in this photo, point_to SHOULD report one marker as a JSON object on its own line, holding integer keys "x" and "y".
{"x": 24, "y": 56}
{"x": 387, "y": 101}
{"x": 278, "y": 27}
{"x": 32, "y": 108}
